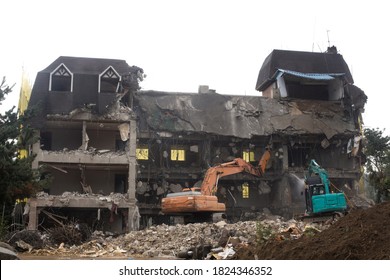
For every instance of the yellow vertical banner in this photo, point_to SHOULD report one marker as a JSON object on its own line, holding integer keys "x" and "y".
{"x": 24, "y": 98}
{"x": 25, "y": 93}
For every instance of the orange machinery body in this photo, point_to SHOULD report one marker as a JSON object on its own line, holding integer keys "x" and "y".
{"x": 195, "y": 200}
{"x": 191, "y": 202}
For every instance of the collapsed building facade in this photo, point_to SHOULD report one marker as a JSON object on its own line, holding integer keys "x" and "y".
{"x": 113, "y": 153}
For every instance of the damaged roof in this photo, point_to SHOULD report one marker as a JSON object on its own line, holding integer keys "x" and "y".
{"x": 86, "y": 65}
{"x": 85, "y": 86}
{"x": 303, "y": 62}
{"x": 240, "y": 116}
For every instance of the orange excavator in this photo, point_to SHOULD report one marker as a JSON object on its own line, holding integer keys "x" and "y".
{"x": 201, "y": 204}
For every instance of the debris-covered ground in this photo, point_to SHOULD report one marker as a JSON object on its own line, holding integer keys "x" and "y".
{"x": 362, "y": 234}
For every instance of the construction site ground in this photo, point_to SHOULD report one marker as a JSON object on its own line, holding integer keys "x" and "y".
{"x": 361, "y": 234}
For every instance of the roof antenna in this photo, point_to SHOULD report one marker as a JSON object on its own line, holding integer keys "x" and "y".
{"x": 331, "y": 49}
{"x": 319, "y": 47}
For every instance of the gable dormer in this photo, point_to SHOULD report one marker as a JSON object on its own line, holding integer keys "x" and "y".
{"x": 109, "y": 80}
{"x": 304, "y": 75}
{"x": 61, "y": 79}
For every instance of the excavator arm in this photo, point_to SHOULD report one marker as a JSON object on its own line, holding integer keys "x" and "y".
{"x": 315, "y": 168}
{"x": 238, "y": 165}
{"x": 204, "y": 203}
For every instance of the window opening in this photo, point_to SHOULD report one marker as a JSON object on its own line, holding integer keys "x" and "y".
{"x": 46, "y": 140}
{"x": 121, "y": 183}
{"x": 61, "y": 79}
{"x": 109, "y": 80}
{"x": 248, "y": 156}
{"x": 245, "y": 190}
{"x": 142, "y": 153}
{"x": 178, "y": 154}
{"x": 120, "y": 146}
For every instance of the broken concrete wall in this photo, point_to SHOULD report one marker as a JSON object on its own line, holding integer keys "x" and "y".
{"x": 243, "y": 117}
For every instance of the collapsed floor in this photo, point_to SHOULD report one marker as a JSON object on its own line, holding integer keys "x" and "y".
{"x": 362, "y": 234}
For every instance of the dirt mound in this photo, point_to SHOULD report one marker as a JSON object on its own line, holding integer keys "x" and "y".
{"x": 362, "y": 234}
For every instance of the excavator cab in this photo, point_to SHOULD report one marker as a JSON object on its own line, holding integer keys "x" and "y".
{"x": 314, "y": 186}
{"x": 319, "y": 198}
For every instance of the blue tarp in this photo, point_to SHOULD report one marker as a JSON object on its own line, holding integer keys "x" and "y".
{"x": 309, "y": 76}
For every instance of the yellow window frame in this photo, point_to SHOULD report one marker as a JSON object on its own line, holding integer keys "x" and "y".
{"x": 245, "y": 190}
{"x": 178, "y": 154}
{"x": 142, "y": 153}
{"x": 248, "y": 156}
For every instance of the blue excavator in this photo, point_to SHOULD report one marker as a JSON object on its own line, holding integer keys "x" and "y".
{"x": 321, "y": 202}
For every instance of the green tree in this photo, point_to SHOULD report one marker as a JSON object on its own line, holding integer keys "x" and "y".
{"x": 17, "y": 179}
{"x": 377, "y": 150}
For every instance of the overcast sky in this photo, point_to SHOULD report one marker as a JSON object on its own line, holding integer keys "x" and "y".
{"x": 184, "y": 44}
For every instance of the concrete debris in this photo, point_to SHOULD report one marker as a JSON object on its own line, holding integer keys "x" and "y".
{"x": 142, "y": 187}
{"x": 25, "y": 240}
{"x": 6, "y": 254}
{"x": 194, "y": 148}
{"x": 23, "y": 246}
{"x": 111, "y": 197}
{"x": 89, "y": 151}
{"x": 175, "y": 188}
{"x": 264, "y": 188}
{"x": 360, "y": 201}
{"x": 325, "y": 143}
{"x": 124, "y": 130}
{"x": 195, "y": 241}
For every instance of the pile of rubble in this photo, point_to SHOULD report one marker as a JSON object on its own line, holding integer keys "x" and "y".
{"x": 196, "y": 241}
{"x": 363, "y": 234}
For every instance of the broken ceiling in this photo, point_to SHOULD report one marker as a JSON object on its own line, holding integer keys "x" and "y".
{"x": 241, "y": 116}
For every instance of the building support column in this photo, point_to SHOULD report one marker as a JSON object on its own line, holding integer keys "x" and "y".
{"x": 84, "y": 136}
{"x": 36, "y": 149}
{"x": 206, "y": 153}
{"x": 32, "y": 215}
{"x": 133, "y": 215}
{"x": 285, "y": 158}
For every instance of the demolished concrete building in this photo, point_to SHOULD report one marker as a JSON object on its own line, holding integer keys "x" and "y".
{"x": 98, "y": 139}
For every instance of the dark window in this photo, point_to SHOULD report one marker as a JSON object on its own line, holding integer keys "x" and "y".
{"x": 120, "y": 146}
{"x": 46, "y": 141}
{"x": 307, "y": 91}
{"x": 109, "y": 81}
{"x": 61, "y": 80}
{"x": 121, "y": 183}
